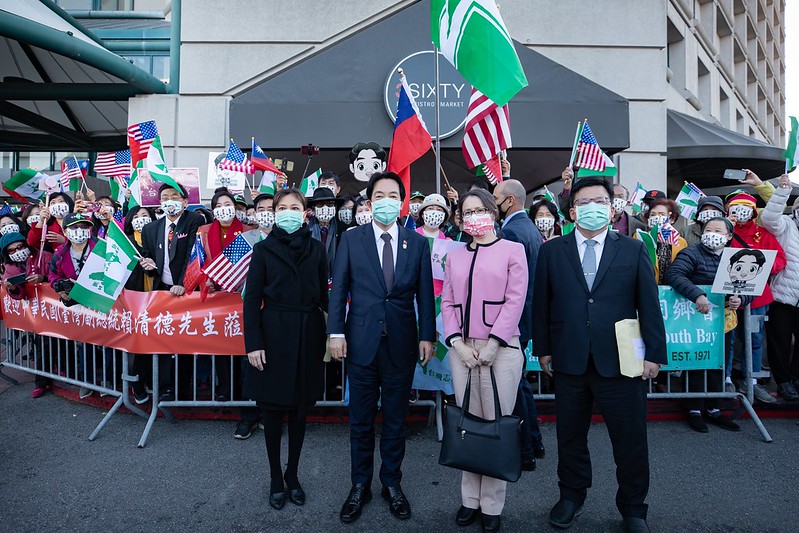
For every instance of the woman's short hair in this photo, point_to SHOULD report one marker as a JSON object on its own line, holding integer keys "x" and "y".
{"x": 293, "y": 191}
{"x": 485, "y": 197}
{"x": 127, "y": 226}
{"x": 670, "y": 204}
{"x": 552, "y": 208}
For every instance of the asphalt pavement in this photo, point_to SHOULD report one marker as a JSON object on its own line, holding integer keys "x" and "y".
{"x": 193, "y": 476}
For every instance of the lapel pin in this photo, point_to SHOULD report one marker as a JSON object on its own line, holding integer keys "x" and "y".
{"x": 404, "y": 245}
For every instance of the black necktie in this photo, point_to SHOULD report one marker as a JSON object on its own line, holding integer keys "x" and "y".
{"x": 388, "y": 261}
{"x": 172, "y": 240}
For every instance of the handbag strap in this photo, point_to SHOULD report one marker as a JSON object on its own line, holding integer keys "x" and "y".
{"x": 497, "y": 407}
{"x": 468, "y": 393}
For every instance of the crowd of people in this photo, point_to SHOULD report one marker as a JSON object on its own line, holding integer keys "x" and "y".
{"x": 340, "y": 278}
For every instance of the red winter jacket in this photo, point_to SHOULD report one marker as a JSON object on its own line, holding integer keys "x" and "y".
{"x": 758, "y": 238}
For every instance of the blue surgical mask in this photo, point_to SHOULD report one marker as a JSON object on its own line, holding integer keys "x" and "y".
{"x": 593, "y": 216}
{"x": 386, "y": 210}
{"x": 288, "y": 220}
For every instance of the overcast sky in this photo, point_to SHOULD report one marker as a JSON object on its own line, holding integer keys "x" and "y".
{"x": 792, "y": 58}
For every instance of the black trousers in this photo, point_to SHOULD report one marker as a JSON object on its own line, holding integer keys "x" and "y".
{"x": 384, "y": 381}
{"x": 782, "y": 326}
{"x": 622, "y": 402}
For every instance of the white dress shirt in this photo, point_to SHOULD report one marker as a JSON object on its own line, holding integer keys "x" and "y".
{"x": 598, "y": 247}
{"x": 166, "y": 274}
{"x": 394, "y": 232}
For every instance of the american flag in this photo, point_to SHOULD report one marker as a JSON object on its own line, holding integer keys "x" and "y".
{"x": 113, "y": 164}
{"x": 229, "y": 269}
{"x": 487, "y": 130}
{"x": 140, "y": 137}
{"x": 668, "y": 235}
{"x": 493, "y": 170}
{"x": 589, "y": 155}
{"x": 236, "y": 161}
{"x": 72, "y": 169}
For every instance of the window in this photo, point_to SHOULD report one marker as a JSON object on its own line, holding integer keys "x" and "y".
{"x": 95, "y": 5}
{"x": 157, "y": 65}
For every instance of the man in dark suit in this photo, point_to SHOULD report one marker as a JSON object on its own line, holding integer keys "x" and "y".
{"x": 517, "y": 227}
{"x": 586, "y": 282}
{"x": 167, "y": 245}
{"x": 383, "y": 268}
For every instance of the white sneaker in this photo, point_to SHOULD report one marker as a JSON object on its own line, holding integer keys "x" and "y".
{"x": 84, "y": 392}
{"x": 762, "y": 395}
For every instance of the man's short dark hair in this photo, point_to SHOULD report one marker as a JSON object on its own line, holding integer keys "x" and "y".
{"x": 330, "y": 175}
{"x": 480, "y": 183}
{"x": 377, "y": 176}
{"x": 261, "y": 197}
{"x": 590, "y": 181}
{"x": 181, "y": 190}
{"x": 379, "y": 151}
{"x": 760, "y": 258}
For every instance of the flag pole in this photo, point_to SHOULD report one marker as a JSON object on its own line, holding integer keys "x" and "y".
{"x": 574, "y": 144}
{"x": 439, "y": 170}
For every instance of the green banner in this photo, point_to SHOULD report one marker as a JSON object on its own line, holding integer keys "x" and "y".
{"x": 693, "y": 341}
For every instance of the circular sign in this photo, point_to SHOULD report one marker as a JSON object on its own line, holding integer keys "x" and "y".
{"x": 420, "y": 72}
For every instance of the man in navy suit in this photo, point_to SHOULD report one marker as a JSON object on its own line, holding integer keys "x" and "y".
{"x": 382, "y": 267}
{"x": 517, "y": 227}
{"x": 586, "y": 282}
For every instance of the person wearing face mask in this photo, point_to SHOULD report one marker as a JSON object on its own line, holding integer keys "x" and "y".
{"x": 19, "y": 258}
{"x": 432, "y": 215}
{"x": 662, "y": 214}
{"x": 544, "y": 215}
{"x": 9, "y": 223}
{"x": 697, "y": 265}
{"x": 323, "y": 225}
{"x": 103, "y": 216}
{"x": 330, "y": 180}
{"x": 241, "y": 209}
{"x": 345, "y": 214}
{"x": 167, "y": 245}
{"x": 51, "y": 216}
{"x": 741, "y": 209}
{"x": 264, "y": 219}
{"x": 707, "y": 207}
{"x": 586, "y": 282}
{"x": 783, "y": 315}
{"x": 225, "y": 227}
{"x": 382, "y": 269}
{"x": 284, "y": 335}
{"x": 622, "y": 221}
{"x": 485, "y": 293}
{"x": 414, "y": 208}
{"x": 30, "y": 215}
{"x": 361, "y": 212}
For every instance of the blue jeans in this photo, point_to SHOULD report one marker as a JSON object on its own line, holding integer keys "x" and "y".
{"x": 757, "y": 341}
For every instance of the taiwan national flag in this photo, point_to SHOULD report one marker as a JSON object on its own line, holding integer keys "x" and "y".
{"x": 410, "y": 141}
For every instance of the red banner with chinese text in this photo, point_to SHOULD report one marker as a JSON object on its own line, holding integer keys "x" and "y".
{"x": 139, "y": 322}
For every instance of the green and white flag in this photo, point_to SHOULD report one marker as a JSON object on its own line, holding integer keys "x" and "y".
{"x": 791, "y": 153}
{"x": 106, "y": 271}
{"x": 472, "y": 36}
{"x": 610, "y": 169}
{"x": 637, "y": 198}
{"x": 118, "y": 189}
{"x": 688, "y": 199}
{"x": 650, "y": 240}
{"x": 268, "y": 183}
{"x": 156, "y": 165}
{"x": 310, "y": 183}
{"x": 135, "y": 186}
{"x": 24, "y": 185}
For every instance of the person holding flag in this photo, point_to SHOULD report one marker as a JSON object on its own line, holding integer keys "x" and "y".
{"x": 667, "y": 241}
{"x": 51, "y": 216}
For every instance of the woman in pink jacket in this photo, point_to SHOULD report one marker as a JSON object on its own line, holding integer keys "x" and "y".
{"x": 485, "y": 285}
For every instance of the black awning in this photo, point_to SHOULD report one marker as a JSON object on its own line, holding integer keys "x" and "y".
{"x": 700, "y": 151}
{"x": 334, "y": 98}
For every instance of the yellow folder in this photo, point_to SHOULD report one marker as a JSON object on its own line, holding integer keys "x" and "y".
{"x": 631, "y": 347}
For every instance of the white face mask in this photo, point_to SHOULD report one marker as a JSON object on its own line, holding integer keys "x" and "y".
{"x": 743, "y": 213}
{"x": 139, "y": 223}
{"x": 160, "y": 215}
{"x": 9, "y": 228}
{"x": 619, "y": 204}
{"x": 325, "y": 213}
{"x": 241, "y": 215}
{"x": 433, "y": 219}
{"x": 545, "y": 224}
{"x": 225, "y": 214}
{"x": 33, "y": 220}
{"x": 265, "y": 219}
{"x": 657, "y": 220}
{"x": 99, "y": 216}
{"x": 345, "y": 216}
{"x": 714, "y": 241}
{"x": 708, "y": 214}
{"x": 78, "y": 235}
{"x": 20, "y": 256}
{"x": 364, "y": 217}
{"x": 414, "y": 209}
{"x": 59, "y": 210}
{"x": 172, "y": 207}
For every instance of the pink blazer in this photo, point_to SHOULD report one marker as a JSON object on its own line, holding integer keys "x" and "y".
{"x": 484, "y": 291}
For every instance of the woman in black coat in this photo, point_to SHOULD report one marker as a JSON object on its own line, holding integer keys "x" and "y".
{"x": 284, "y": 334}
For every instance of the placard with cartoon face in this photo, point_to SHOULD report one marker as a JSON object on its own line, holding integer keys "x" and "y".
{"x": 221, "y": 177}
{"x": 743, "y": 271}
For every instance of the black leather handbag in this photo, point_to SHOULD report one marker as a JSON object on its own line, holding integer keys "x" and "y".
{"x": 486, "y": 447}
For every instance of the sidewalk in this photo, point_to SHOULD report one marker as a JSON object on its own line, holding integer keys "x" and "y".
{"x": 193, "y": 476}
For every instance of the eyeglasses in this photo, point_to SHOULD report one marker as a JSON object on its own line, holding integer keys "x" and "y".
{"x": 480, "y": 211}
{"x": 15, "y": 249}
{"x": 603, "y": 200}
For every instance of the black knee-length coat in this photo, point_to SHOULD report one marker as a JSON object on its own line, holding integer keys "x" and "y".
{"x": 284, "y": 300}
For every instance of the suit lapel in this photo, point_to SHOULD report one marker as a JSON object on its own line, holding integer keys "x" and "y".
{"x": 608, "y": 254}
{"x": 160, "y": 243}
{"x": 369, "y": 244}
{"x": 570, "y": 244}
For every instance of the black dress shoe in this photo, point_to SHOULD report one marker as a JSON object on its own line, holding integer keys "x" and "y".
{"x": 277, "y": 500}
{"x": 397, "y": 502}
{"x": 297, "y": 496}
{"x": 564, "y": 512}
{"x": 167, "y": 396}
{"x": 359, "y": 496}
{"x": 538, "y": 450}
{"x": 722, "y": 421}
{"x": 528, "y": 465}
{"x": 635, "y": 525}
{"x": 490, "y": 523}
{"x": 466, "y": 516}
